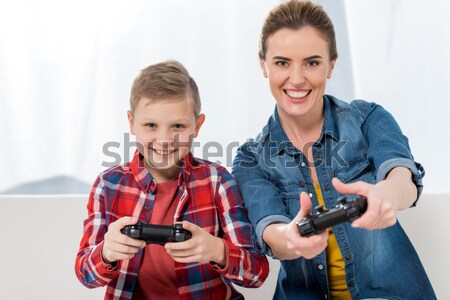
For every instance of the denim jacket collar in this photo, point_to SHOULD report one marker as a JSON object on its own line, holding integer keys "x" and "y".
{"x": 274, "y": 134}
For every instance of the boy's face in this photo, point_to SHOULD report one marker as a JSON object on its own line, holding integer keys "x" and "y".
{"x": 164, "y": 131}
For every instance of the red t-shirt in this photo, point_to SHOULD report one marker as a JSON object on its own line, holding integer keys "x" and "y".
{"x": 156, "y": 279}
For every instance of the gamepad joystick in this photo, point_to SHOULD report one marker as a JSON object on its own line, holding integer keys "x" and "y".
{"x": 320, "y": 218}
{"x": 157, "y": 234}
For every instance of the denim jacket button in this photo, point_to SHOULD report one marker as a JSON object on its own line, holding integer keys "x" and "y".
{"x": 310, "y": 195}
{"x": 320, "y": 266}
{"x": 303, "y": 164}
{"x": 348, "y": 257}
{"x": 302, "y": 184}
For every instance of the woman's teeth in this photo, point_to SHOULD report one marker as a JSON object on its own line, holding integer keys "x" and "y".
{"x": 297, "y": 94}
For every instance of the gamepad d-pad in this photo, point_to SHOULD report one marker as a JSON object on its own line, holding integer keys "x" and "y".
{"x": 320, "y": 218}
{"x": 157, "y": 234}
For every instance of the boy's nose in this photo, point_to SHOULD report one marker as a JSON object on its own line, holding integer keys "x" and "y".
{"x": 165, "y": 136}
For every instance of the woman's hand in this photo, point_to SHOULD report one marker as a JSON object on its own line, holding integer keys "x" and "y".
{"x": 384, "y": 198}
{"x": 118, "y": 246}
{"x": 286, "y": 241}
{"x": 202, "y": 247}
{"x": 308, "y": 247}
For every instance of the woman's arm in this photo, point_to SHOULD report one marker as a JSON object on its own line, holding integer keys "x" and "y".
{"x": 286, "y": 242}
{"x": 384, "y": 198}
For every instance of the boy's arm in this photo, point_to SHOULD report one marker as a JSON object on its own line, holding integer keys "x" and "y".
{"x": 90, "y": 268}
{"x": 245, "y": 266}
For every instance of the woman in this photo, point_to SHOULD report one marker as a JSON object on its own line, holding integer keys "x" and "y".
{"x": 316, "y": 147}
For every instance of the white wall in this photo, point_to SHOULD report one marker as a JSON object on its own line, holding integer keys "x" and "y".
{"x": 40, "y": 238}
{"x": 66, "y": 68}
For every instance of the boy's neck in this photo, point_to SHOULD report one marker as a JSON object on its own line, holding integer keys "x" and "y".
{"x": 164, "y": 175}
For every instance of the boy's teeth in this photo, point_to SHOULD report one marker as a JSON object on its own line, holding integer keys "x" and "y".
{"x": 297, "y": 94}
{"x": 163, "y": 152}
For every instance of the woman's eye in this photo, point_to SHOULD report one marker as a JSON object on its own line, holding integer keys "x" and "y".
{"x": 312, "y": 63}
{"x": 282, "y": 63}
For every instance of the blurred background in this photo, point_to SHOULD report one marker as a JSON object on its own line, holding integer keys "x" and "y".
{"x": 66, "y": 69}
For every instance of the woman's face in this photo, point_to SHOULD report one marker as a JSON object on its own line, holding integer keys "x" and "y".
{"x": 297, "y": 65}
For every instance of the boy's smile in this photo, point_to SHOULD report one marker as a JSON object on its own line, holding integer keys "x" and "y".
{"x": 164, "y": 131}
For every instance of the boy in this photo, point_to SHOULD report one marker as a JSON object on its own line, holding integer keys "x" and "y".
{"x": 165, "y": 184}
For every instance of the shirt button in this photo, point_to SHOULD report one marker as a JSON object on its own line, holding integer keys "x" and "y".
{"x": 351, "y": 284}
{"x": 320, "y": 266}
{"x": 348, "y": 257}
{"x": 310, "y": 195}
{"x": 302, "y": 184}
{"x": 147, "y": 207}
{"x": 152, "y": 183}
{"x": 317, "y": 155}
{"x": 325, "y": 187}
{"x": 326, "y": 296}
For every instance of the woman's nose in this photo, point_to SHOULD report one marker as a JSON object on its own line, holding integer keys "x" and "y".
{"x": 297, "y": 75}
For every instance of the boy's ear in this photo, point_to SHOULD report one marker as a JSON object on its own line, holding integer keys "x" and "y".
{"x": 131, "y": 122}
{"x": 262, "y": 64}
{"x": 199, "y": 124}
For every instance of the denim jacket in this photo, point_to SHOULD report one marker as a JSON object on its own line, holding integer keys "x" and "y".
{"x": 359, "y": 141}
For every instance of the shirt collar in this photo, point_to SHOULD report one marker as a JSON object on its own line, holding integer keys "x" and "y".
{"x": 276, "y": 140}
{"x": 145, "y": 179}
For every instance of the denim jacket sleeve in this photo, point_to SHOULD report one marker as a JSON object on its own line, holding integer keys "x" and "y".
{"x": 388, "y": 147}
{"x": 262, "y": 198}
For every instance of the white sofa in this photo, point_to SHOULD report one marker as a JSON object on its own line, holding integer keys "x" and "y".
{"x": 40, "y": 236}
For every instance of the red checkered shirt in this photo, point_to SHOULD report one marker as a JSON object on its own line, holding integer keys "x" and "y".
{"x": 207, "y": 196}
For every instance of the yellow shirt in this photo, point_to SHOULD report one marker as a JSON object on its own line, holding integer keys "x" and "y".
{"x": 335, "y": 262}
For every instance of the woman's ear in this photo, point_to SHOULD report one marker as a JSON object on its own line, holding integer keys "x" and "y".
{"x": 331, "y": 68}
{"x": 262, "y": 64}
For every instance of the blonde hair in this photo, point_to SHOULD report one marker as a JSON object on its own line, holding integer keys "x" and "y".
{"x": 296, "y": 14}
{"x": 167, "y": 79}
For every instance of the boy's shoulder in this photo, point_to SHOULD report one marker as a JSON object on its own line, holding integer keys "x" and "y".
{"x": 116, "y": 173}
{"x": 209, "y": 168}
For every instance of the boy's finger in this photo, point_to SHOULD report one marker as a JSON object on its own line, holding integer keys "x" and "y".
{"x": 190, "y": 226}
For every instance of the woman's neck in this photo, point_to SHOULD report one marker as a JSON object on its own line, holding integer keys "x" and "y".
{"x": 303, "y": 130}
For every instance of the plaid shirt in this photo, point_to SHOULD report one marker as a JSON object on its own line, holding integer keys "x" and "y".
{"x": 207, "y": 196}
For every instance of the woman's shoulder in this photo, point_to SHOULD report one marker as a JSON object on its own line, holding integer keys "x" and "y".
{"x": 357, "y": 106}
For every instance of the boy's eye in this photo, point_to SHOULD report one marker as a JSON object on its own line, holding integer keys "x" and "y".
{"x": 179, "y": 126}
{"x": 150, "y": 125}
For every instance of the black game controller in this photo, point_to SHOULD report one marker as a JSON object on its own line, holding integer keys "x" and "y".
{"x": 320, "y": 218}
{"x": 157, "y": 234}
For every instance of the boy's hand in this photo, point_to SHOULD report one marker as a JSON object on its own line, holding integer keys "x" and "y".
{"x": 118, "y": 246}
{"x": 307, "y": 247}
{"x": 202, "y": 247}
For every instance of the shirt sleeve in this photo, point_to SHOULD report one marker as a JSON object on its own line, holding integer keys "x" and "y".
{"x": 389, "y": 147}
{"x": 245, "y": 266}
{"x": 90, "y": 269}
{"x": 261, "y": 197}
